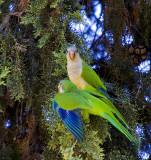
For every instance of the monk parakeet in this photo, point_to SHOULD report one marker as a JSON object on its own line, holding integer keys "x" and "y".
{"x": 84, "y": 77}
{"x": 69, "y": 106}
{"x": 71, "y": 101}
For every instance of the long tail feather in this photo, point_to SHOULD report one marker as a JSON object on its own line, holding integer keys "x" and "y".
{"x": 111, "y": 105}
{"x": 119, "y": 126}
{"x": 114, "y": 110}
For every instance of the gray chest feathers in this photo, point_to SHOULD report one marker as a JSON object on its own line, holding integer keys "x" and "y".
{"x": 74, "y": 69}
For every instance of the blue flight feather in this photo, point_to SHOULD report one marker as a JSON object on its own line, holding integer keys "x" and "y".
{"x": 73, "y": 122}
{"x": 55, "y": 105}
{"x": 76, "y": 126}
{"x": 106, "y": 94}
{"x": 103, "y": 91}
{"x": 73, "y": 131}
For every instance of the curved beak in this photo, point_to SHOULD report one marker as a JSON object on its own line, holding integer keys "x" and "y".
{"x": 59, "y": 88}
{"x": 72, "y": 55}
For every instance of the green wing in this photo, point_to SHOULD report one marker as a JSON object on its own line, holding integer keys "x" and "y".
{"x": 91, "y": 95}
{"x": 70, "y": 101}
{"x": 89, "y": 75}
{"x": 108, "y": 102}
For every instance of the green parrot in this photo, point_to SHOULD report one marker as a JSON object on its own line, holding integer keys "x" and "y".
{"x": 70, "y": 101}
{"x": 84, "y": 77}
{"x": 69, "y": 106}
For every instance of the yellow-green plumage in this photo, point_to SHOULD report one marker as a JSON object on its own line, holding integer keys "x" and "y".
{"x": 97, "y": 106}
{"x": 70, "y": 101}
{"x": 84, "y": 77}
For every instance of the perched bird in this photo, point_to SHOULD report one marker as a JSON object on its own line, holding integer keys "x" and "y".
{"x": 68, "y": 105}
{"x": 84, "y": 77}
{"x": 81, "y": 74}
{"x": 71, "y": 101}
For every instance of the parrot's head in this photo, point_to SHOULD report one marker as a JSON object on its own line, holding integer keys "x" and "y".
{"x": 65, "y": 86}
{"x": 72, "y": 53}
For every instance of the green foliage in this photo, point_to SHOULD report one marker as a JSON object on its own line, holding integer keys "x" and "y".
{"x": 60, "y": 62}
{"x": 34, "y": 68}
{"x": 3, "y": 74}
{"x": 1, "y": 2}
{"x": 121, "y": 154}
{"x": 15, "y": 82}
{"x": 91, "y": 146}
{"x": 62, "y": 142}
{"x": 33, "y": 61}
{"x": 50, "y": 18}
